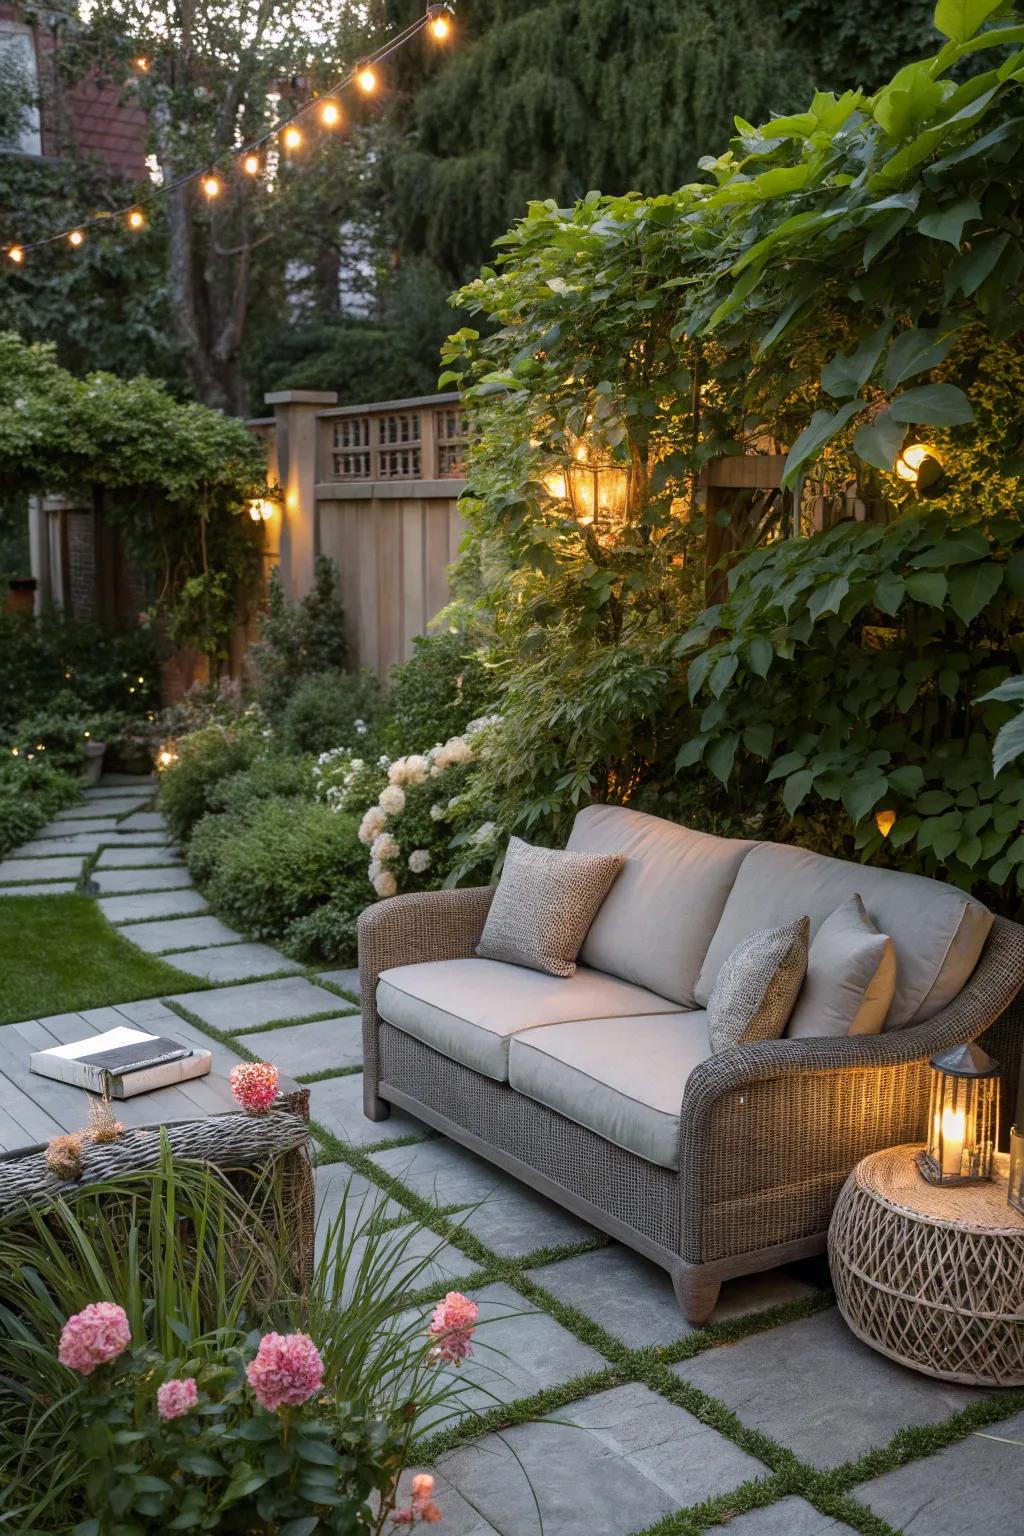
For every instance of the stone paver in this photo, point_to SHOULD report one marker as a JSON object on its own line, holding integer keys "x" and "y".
{"x": 312, "y": 1047}
{"x": 94, "y": 815}
{"x": 61, "y": 868}
{"x": 163, "y": 938}
{"x": 140, "y": 908}
{"x": 337, "y": 1185}
{"x": 633, "y": 1299}
{"x": 144, "y": 790}
{"x": 336, "y": 1103}
{"x": 791, "y": 1516}
{"x": 53, "y": 888}
{"x": 972, "y": 1488}
{"x": 457, "y": 1517}
{"x": 510, "y": 1218}
{"x": 145, "y": 821}
{"x": 235, "y": 962}
{"x": 135, "y": 857}
{"x": 116, "y": 882}
{"x": 348, "y": 980}
{"x": 518, "y": 1351}
{"x": 118, "y": 804}
{"x": 89, "y": 842}
{"x": 89, "y": 826}
{"x": 816, "y": 1389}
{"x": 408, "y": 1258}
{"x": 609, "y": 1465}
{"x": 247, "y": 1007}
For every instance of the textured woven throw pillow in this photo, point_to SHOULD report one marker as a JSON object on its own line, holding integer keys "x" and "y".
{"x": 545, "y": 902}
{"x": 757, "y": 987}
{"x": 851, "y": 977}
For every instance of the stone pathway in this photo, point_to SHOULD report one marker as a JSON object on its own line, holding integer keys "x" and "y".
{"x": 592, "y": 1408}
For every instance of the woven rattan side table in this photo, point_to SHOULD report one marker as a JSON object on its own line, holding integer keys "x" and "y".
{"x": 932, "y": 1277}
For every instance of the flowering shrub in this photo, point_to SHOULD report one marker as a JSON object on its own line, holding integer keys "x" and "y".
{"x": 287, "y": 1370}
{"x": 408, "y": 807}
{"x": 94, "y": 1336}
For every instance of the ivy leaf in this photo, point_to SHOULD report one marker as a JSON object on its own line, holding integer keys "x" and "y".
{"x": 933, "y": 802}
{"x": 936, "y": 405}
{"x": 965, "y": 546}
{"x": 907, "y": 780}
{"x": 827, "y": 598}
{"x": 904, "y": 830}
{"x": 878, "y": 442}
{"x": 960, "y": 19}
{"x": 862, "y": 795}
{"x": 967, "y": 273}
{"x": 912, "y": 352}
{"x": 948, "y": 223}
{"x": 972, "y": 588}
{"x": 722, "y": 674}
{"x": 890, "y": 590}
{"x": 304, "y": 1525}
{"x": 823, "y": 427}
{"x": 928, "y": 587}
{"x": 758, "y": 738}
{"x": 700, "y": 666}
{"x": 691, "y": 752}
{"x": 1008, "y": 745}
{"x": 760, "y": 655}
{"x": 847, "y": 375}
{"x": 1008, "y": 692}
{"x": 796, "y": 789}
{"x": 720, "y": 756}
{"x": 785, "y": 765}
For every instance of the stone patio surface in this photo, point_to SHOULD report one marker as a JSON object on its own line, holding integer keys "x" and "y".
{"x": 590, "y": 1407}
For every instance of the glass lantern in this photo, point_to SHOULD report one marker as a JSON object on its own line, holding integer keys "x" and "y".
{"x": 598, "y": 487}
{"x": 963, "y": 1117}
{"x": 1015, "y": 1192}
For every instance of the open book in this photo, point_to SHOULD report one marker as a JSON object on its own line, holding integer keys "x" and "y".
{"x": 122, "y": 1062}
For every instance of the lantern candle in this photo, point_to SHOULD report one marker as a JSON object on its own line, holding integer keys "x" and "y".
{"x": 963, "y": 1117}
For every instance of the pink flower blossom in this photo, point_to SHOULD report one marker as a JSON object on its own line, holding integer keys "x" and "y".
{"x": 452, "y": 1327}
{"x": 422, "y": 1488}
{"x": 287, "y": 1370}
{"x": 403, "y": 1517}
{"x": 254, "y": 1085}
{"x": 97, "y": 1334}
{"x": 176, "y": 1398}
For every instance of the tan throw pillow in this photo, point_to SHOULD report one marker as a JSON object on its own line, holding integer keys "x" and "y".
{"x": 545, "y": 902}
{"x": 757, "y": 986}
{"x": 851, "y": 977}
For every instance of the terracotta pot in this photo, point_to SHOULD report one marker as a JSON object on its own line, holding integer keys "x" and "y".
{"x": 21, "y": 596}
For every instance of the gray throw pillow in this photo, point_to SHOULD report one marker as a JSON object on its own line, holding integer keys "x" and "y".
{"x": 756, "y": 989}
{"x": 545, "y": 902}
{"x": 851, "y": 977}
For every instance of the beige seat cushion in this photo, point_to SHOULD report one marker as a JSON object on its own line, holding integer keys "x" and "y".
{"x": 623, "y": 1078}
{"x": 937, "y": 931}
{"x": 471, "y": 1009}
{"x": 657, "y": 920}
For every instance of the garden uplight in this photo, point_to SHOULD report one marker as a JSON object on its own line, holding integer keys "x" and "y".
{"x": 920, "y": 465}
{"x": 885, "y": 821}
{"x": 260, "y": 510}
{"x": 963, "y": 1117}
{"x": 166, "y": 757}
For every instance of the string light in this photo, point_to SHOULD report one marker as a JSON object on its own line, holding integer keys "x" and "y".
{"x": 437, "y": 19}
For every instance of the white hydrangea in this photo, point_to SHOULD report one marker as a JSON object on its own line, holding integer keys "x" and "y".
{"x": 482, "y": 724}
{"x": 408, "y": 770}
{"x": 392, "y": 800}
{"x": 385, "y": 884}
{"x": 361, "y": 727}
{"x": 455, "y": 750}
{"x": 372, "y": 825}
{"x": 437, "y": 811}
{"x": 385, "y": 847}
{"x": 485, "y": 833}
{"x": 383, "y": 761}
{"x": 419, "y": 861}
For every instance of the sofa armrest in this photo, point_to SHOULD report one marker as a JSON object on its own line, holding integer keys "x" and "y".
{"x": 406, "y": 930}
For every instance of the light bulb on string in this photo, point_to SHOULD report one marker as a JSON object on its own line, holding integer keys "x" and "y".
{"x": 16, "y": 254}
{"x": 76, "y": 238}
{"x": 439, "y": 23}
{"x": 366, "y": 79}
{"x": 251, "y": 164}
{"x": 136, "y": 218}
{"x": 141, "y": 64}
{"x": 211, "y": 185}
{"x": 330, "y": 114}
{"x": 292, "y": 137}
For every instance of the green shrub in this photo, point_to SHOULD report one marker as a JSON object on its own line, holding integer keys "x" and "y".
{"x": 278, "y": 862}
{"x": 30, "y": 794}
{"x": 104, "y": 671}
{"x": 273, "y": 776}
{"x": 435, "y": 694}
{"x": 205, "y": 759}
{"x": 331, "y": 709}
{"x": 297, "y": 639}
{"x": 329, "y": 932}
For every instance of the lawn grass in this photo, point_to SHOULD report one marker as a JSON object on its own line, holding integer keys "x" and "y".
{"x": 58, "y": 954}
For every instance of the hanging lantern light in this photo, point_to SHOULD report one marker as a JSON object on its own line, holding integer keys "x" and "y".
{"x": 136, "y": 219}
{"x": 920, "y": 465}
{"x": 251, "y": 164}
{"x": 16, "y": 254}
{"x": 211, "y": 185}
{"x": 366, "y": 79}
{"x": 76, "y": 238}
{"x": 439, "y": 22}
{"x": 292, "y": 137}
{"x": 963, "y": 1117}
{"x": 329, "y": 113}
{"x": 598, "y": 487}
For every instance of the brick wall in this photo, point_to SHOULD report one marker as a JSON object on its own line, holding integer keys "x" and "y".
{"x": 80, "y": 575}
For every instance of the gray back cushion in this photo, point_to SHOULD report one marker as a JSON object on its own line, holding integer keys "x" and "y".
{"x": 937, "y": 931}
{"x": 658, "y": 918}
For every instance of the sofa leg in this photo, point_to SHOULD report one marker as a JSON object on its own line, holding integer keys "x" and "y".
{"x": 696, "y": 1293}
{"x": 374, "y": 1107}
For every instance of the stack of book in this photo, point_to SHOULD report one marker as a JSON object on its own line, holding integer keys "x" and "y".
{"x": 122, "y": 1062}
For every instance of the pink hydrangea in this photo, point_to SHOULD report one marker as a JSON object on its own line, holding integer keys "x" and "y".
{"x": 176, "y": 1398}
{"x": 254, "y": 1085}
{"x": 452, "y": 1328}
{"x": 287, "y": 1370}
{"x": 97, "y": 1334}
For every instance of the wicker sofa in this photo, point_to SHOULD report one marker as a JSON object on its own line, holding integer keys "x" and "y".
{"x": 601, "y": 1090}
